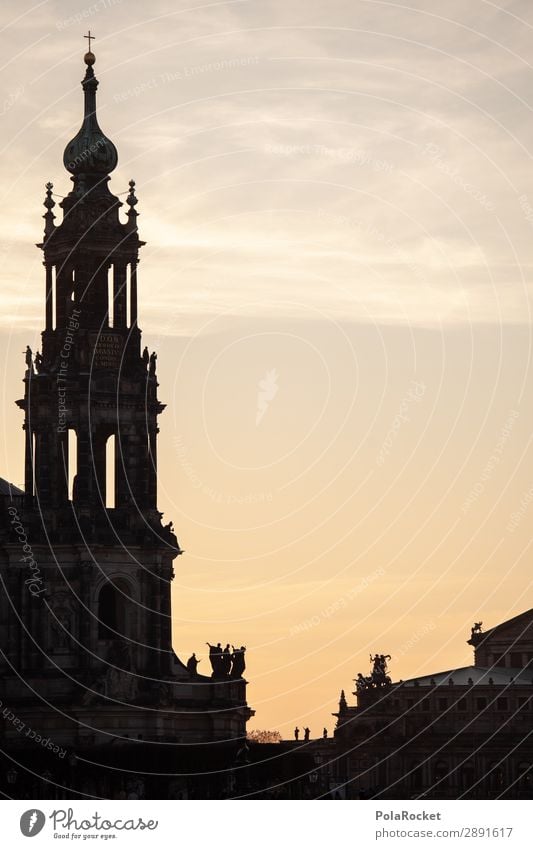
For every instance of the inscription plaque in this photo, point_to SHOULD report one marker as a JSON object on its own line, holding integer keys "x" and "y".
{"x": 107, "y": 349}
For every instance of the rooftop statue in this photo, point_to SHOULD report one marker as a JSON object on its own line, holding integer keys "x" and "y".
{"x": 378, "y": 676}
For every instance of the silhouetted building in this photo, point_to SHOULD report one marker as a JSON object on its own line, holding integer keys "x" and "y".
{"x": 462, "y": 733}
{"x": 88, "y": 676}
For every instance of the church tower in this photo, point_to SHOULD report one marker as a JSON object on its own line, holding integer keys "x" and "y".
{"x": 86, "y": 563}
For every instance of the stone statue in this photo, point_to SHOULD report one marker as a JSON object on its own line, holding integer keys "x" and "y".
{"x": 38, "y": 362}
{"x": 215, "y": 656}
{"x": 146, "y": 357}
{"x": 307, "y": 732}
{"x": 296, "y": 733}
{"x": 169, "y": 529}
{"x": 361, "y": 683}
{"x": 476, "y": 628}
{"x": 325, "y": 734}
{"x": 226, "y": 660}
{"x": 379, "y": 672}
{"x": 238, "y": 662}
{"x": 152, "y": 362}
{"x": 28, "y": 357}
{"x": 378, "y": 676}
{"x": 192, "y": 664}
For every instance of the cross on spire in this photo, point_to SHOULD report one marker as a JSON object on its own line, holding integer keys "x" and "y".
{"x": 90, "y": 38}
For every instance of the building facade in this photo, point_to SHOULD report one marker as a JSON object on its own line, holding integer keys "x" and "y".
{"x": 86, "y": 563}
{"x": 463, "y": 733}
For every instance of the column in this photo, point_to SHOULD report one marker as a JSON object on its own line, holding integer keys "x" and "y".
{"x": 49, "y": 297}
{"x": 119, "y": 295}
{"x": 133, "y": 294}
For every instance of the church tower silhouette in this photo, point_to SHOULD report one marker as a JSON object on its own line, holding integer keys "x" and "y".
{"x": 86, "y": 563}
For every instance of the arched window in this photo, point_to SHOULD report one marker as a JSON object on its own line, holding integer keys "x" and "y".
{"x": 113, "y": 611}
{"x": 107, "y": 612}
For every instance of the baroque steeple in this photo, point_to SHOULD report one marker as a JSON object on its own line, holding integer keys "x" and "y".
{"x": 91, "y": 389}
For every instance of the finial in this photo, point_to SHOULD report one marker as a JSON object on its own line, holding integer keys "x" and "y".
{"x": 49, "y": 202}
{"x": 89, "y": 57}
{"x": 132, "y": 201}
{"x": 49, "y": 216}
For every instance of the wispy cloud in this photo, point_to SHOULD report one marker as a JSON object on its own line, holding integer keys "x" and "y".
{"x": 254, "y": 133}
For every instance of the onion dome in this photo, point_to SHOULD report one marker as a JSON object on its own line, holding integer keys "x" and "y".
{"x": 90, "y": 153}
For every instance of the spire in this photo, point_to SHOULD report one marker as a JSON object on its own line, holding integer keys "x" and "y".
{"x": 342, "y": 702}
{"x": 90, "y": 156}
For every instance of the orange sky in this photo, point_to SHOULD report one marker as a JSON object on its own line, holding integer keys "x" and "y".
{"x": 337, "y": 282}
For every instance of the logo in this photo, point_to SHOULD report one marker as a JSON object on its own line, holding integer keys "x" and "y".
{"x": 32, "y": 822}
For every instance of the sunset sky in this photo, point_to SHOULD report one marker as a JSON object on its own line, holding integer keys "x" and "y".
{"x": 337, "y": 200}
